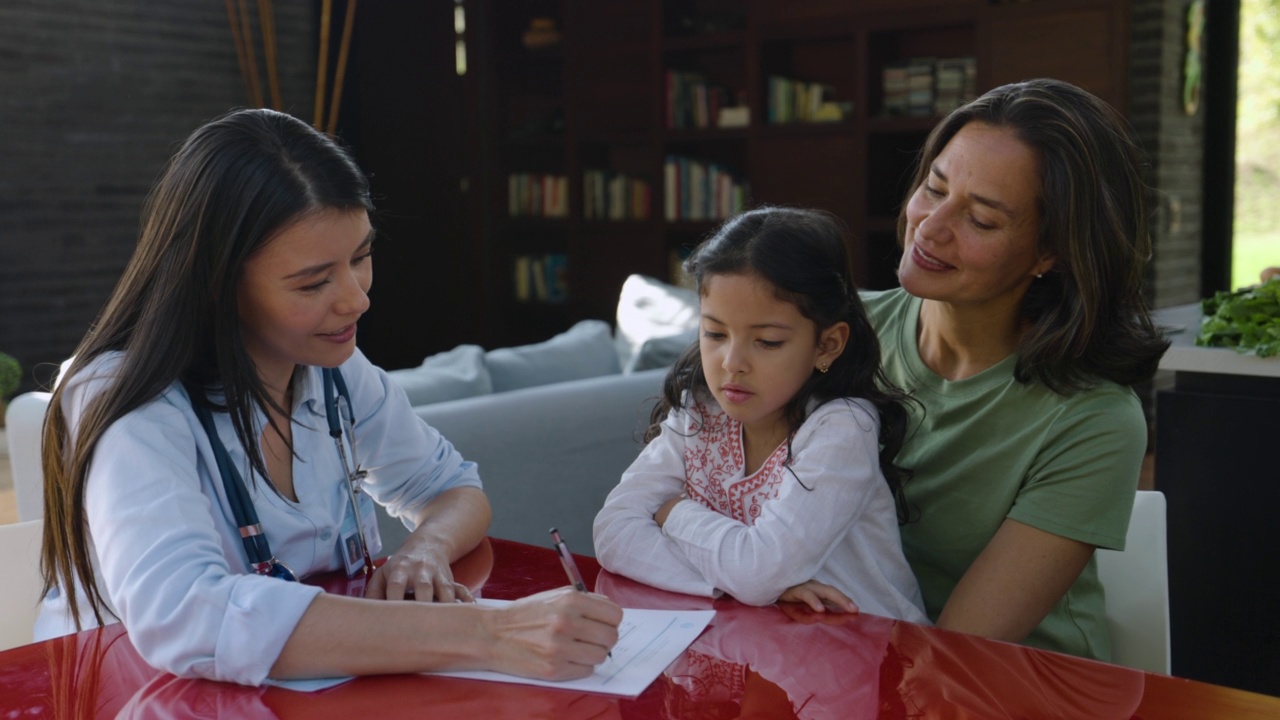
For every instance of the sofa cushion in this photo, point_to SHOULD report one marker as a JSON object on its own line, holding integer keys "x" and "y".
{"x": 663, "y": 351}
{"x": 450, "y": 375}
{"x": 583, "y": 351}
{"x": 647, "y": 310}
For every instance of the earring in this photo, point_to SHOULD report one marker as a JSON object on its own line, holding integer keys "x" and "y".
{"x": 1039, "y": 275}
{"x": 823, "y": 368}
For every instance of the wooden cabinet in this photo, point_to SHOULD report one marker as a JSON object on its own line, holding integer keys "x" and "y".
{"x": 632, "y": 89}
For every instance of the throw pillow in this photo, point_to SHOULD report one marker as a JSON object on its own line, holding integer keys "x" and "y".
{"x": 649, "y": 309}
{"x": 660, "y": 352}
{"x": 450, "y": 375}
{"x": 584, "y": 350}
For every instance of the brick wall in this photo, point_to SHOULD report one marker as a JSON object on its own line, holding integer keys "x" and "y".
{"x": 96, "y": 96}
{"x": 1174, "y": 143}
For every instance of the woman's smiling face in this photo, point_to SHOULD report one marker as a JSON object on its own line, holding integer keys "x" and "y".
{"x": 973, "y": 224}
{"x": 303, "y": 291}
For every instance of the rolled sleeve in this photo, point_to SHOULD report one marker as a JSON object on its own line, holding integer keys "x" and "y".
{"x": 409, "y": 462}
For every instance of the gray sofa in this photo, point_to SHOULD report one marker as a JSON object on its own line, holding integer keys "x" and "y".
{"x": 552, "y": 426}
{"x": 548, "y": 455}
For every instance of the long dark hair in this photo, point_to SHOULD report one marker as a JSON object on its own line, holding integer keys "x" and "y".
{"x": 236, "y": 182}
{"x": 1088, "y": 318}
{"x": 803, "y": 254}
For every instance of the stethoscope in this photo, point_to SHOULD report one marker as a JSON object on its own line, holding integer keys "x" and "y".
{"x": 261, "y": 560}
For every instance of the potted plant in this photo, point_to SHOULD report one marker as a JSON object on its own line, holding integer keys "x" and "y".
{"x": 10, "y": 378}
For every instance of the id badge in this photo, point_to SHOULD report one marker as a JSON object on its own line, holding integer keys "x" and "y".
{"x": 349, "y": 544}
{"x": 369, "y": 517}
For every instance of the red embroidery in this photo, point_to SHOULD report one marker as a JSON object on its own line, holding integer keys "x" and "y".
{"x": 714, "y": 463}
{"x": 707, "y": 678}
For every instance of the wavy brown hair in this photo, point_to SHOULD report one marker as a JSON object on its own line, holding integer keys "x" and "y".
{"x": 235, "y": 183}
{"x": 1088, "y": 317}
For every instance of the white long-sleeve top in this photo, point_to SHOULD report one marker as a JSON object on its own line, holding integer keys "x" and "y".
{"x": 164, "y": 542}
{"x": 829, "y": 515}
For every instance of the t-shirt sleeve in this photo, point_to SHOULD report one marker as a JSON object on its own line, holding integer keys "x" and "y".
{"x": 1082, "y": 483}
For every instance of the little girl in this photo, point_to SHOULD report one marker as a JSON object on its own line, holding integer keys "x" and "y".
{"x": 768, "y": 472}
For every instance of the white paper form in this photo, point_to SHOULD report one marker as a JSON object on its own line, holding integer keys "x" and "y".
{"x": 648, "y": 641}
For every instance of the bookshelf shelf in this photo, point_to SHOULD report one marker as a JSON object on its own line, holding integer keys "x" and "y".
{"x": 723, "y": 40}
{"x": 806, "y": 129}
{"x": 710, "y": 135}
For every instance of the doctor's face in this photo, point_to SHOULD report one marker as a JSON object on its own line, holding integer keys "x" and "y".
{"x": 302, "y": 292}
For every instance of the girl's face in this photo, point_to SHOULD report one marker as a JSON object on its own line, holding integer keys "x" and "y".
{"x": 973, "y": 224}
{"x": 302, "y": 292}
{"x": 757, "y": 351}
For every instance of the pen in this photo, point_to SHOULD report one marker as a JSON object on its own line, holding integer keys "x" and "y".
{"x": 566, "y": 559}
{"x": 570, "y": 567}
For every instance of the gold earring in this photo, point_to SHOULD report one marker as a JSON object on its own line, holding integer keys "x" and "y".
{"x": 823, "y": 368}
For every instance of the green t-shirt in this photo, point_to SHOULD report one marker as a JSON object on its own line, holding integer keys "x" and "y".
{"x": 988, "y": 448}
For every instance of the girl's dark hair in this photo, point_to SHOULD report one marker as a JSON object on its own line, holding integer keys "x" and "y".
{"x": 1087, "y": 315}
{"x": 232, "y": 186}
{"x": 803, "y": 254}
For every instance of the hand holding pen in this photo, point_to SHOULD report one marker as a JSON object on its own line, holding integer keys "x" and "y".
{"x": 570, "y": 566}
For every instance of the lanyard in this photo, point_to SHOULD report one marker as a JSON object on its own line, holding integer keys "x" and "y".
{"x": 256, "y": 547}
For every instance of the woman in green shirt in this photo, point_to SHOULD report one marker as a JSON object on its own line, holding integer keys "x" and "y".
{"x": 1020, "y": 326}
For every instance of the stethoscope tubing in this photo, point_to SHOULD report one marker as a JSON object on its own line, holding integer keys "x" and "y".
{"x": 256, "y": 547}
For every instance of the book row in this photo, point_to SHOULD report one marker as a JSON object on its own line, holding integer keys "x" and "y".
{"x": 693, "y": 102}
{"x": 928, "y": 86}
{"x": 700, "y": 190}
{"x": 609, "y": 195}
{"x": 541, "y": 278}
{"x": 536, "y": 195}
{"x": 798, "y": 101}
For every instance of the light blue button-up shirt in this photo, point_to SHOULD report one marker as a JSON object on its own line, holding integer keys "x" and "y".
{"x": 164, "y": 541}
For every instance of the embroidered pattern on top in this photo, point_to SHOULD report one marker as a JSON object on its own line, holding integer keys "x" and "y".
{"x": 714, "y": 462}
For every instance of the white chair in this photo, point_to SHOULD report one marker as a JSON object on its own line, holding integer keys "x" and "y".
{"x": 20, "y": 591}
{"x": 24, "y": 421}
{"x": 1136, "y": 583}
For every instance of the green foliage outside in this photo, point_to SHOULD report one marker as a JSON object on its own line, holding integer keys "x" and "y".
{"x": 10, "y": 376}
{"x": 1256, "y": 242}
{"x": 1246, "y": 320}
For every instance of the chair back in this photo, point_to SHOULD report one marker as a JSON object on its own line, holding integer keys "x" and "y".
{"x": 1136, "y": 583}
{"x": 24, "y": 421}
{"x": 20, "y": 591}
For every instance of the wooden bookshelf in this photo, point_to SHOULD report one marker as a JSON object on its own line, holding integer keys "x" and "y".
{"x": 603, "y": 97}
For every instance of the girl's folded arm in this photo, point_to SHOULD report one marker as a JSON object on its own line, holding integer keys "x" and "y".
{"x": 627, "y": 539}
{"x": 833, "y": 481}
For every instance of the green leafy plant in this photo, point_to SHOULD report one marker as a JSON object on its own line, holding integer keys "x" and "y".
{"x": 10, "y": 375}
{"x": 1246, "y": 320}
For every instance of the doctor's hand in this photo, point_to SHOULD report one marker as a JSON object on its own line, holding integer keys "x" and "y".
{"x": 560, "y": 634}
{"x": 419, "y": 571}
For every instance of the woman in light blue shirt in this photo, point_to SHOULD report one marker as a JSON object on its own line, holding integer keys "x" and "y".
{"x": 201, "y": 450}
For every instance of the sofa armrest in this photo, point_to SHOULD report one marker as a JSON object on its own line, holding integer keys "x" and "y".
{"x": 548, "y": 455}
